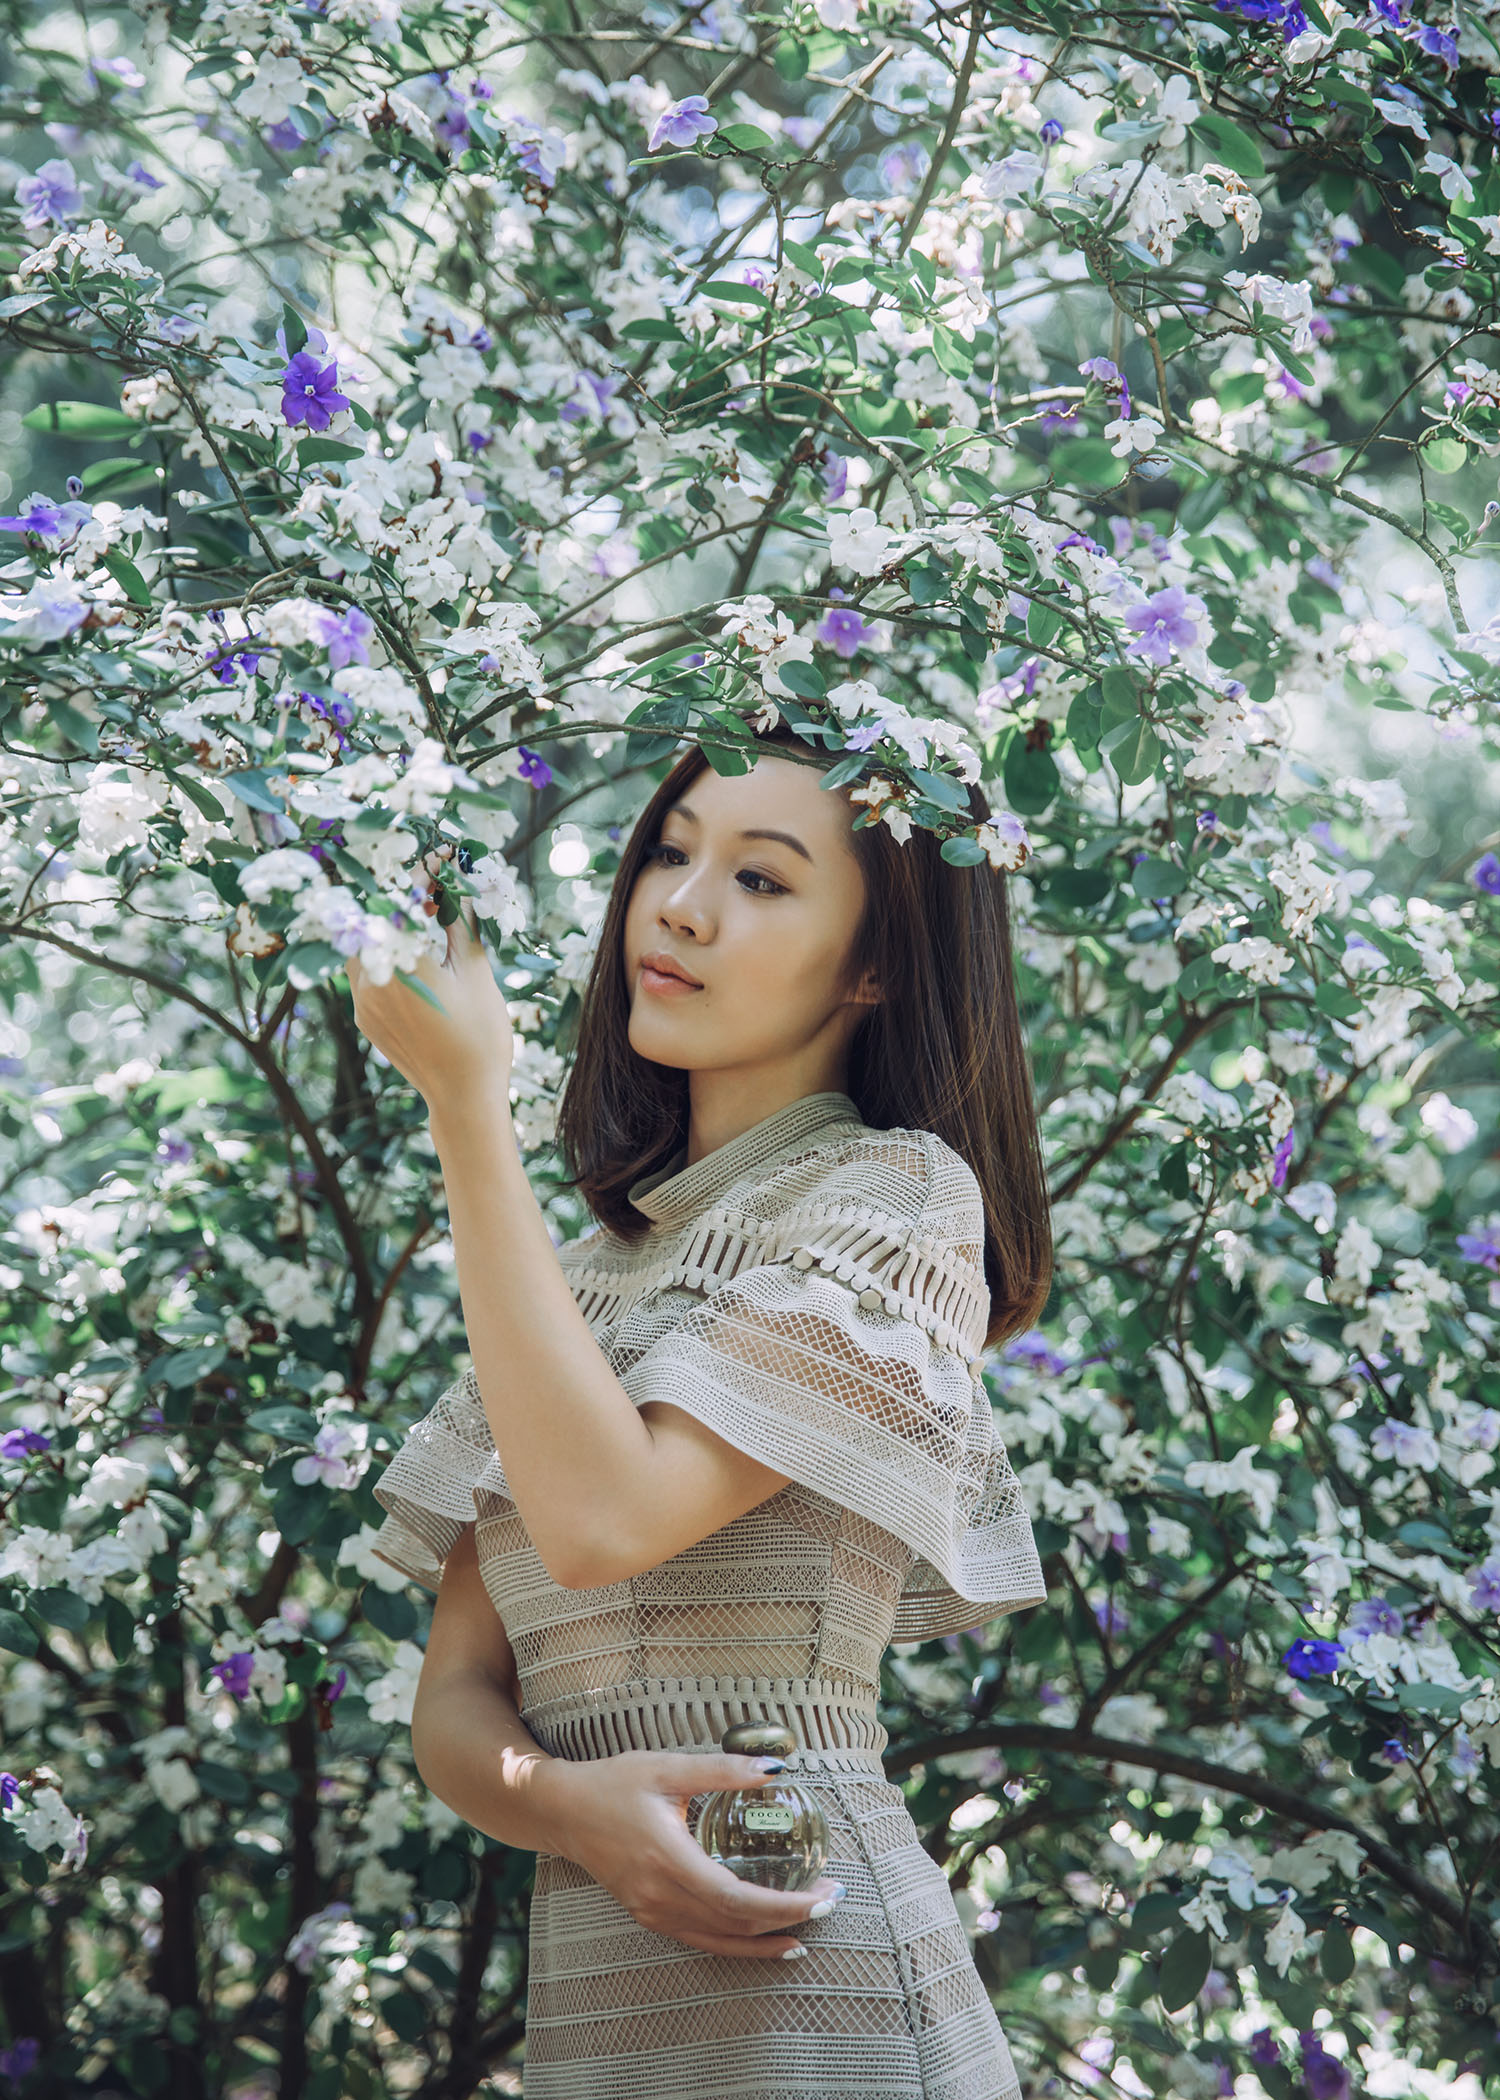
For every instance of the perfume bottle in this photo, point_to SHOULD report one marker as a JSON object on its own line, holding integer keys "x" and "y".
{"x": 774, "y": 1835}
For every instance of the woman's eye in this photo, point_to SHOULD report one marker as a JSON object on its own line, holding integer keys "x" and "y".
{"x": 773, "y": 888}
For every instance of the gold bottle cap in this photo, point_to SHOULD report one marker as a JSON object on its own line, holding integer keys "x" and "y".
{"x": 758, "y": 1739}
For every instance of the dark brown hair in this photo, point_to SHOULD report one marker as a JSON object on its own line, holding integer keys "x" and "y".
{"x": 943, "y": 1051}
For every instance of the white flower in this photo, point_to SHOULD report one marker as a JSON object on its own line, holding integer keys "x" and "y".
{"x": 1285, "y": 1939}
{"x": 1014, "y": 176}
{"x": 391, "y": 1696}
{"x": 500, "y": 894}
{"x": 358, "y": 1552}
{"x": 113, "y": 1480}
{"x": 1402, "y": 113}
{"x": 283, "y": 868}
{"x": 1452, "y": 181}
{"x": 1005, "y": 839}
{"x": 50, "y": 1821}
{"x": 1316, "y": 1202}
{"x": 1132, "y": 434}
{"x": 383, "y": 1889}
{"x": 1236, "y": 1476}
{"x": 1451, "y": 1127}
{"x": 173, "y": 1781}
{"x": 1262, "y": 961}
{"x": 858, "y": 541}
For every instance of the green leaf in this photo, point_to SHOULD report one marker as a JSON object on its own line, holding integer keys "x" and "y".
{"x": 1235, "y": 148}
{"x": 953, "y": 354}
{"x": 723, "y": 288}
{"x": 294, "y": 329}
{"x": 1152, "y": 878}
{"x": 1077, "y": 888}
{"x": 61, "y": 1607}
{"x": 1134, "y": 750}
{"x": 292, "y": 1424}
{"x": 1043, "y": 622}
{"x": 1088, "y": 460}
{"x": 746, "y": 138}
{"x": 1429, "y": 1698}
{"x": 81, "y": 419}
{"x": 1031, "y": 777}
{"x": 298, "y": 1509}
{"x": 1337, "y": 1000}
{"x": 1336, "y": 1957}
{"x": 804, "y": 679}
{"x": 23, "y": 302}
{"x": 182, "y": 1368}
{"x": 962, "y": 853}
{"x": 249, "y": 786}
{"x": 390, "y": 1612}
{"x": 652, "y": 332}
{"x": 790, "y": 58}
{"x": 317, "y": 451}
{"x": 16, "y": 1635}
{"x": 1445, "y": 455}
{"x": 1184, "y": 1970}
{"x": 222, "y": 1782}
{"x": 128, "y": 576}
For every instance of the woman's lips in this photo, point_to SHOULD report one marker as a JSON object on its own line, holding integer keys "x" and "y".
{"x": 662, "y": 982}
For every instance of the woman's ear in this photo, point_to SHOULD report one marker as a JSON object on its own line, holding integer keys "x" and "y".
{"x": 869, "y": 992}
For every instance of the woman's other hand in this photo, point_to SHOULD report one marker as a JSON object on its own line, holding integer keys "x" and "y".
{"x": 623, "y": 1819}
{"x": 464, "y": 1050}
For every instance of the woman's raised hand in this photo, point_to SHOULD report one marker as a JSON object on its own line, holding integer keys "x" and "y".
{"x": 463, "y": 1051}
{"x": 623, "y": 1819}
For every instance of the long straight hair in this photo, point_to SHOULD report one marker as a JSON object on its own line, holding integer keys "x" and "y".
{"x": 943, "y": 1050}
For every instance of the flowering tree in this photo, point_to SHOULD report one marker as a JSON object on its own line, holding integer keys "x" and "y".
{"x": 420, "y": 420}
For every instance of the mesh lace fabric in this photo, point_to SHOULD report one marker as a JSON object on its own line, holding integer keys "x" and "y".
{"x": 814, "y": 1292}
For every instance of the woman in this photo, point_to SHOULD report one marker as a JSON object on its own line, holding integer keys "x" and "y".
{"x": 716, "y": 1453}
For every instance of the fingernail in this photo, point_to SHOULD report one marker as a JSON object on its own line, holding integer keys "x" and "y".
{"x": 794, "y": 1954}
{"x": 771, "y": 1764}
{"x": 821, "y": 1910}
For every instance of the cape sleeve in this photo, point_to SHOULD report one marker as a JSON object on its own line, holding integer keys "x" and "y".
{"x": 429, "y": 1486}
{"x": 850, "y": 1362}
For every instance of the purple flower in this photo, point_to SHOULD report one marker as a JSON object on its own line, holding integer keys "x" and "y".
{"x": 20, "y": 2059}
{"x": 50, "y": 197}
{"x": 50, "y": 521}
{"x": 1484, "y": 1583}
{"x": 346, "y": 637}
{"x": 330, "y": 1689}
{"x": 682, "y": 123}
{"x": 10, "y": 1786}
{"x": 1102, "y": 369}
{"x": 1306, "y": 1659}
{"x": 1167, "y": 621}
{"x": 235, "y": 1672}
{"x": 1375, "y": 1615}
{"x": 843, "y": 629}
{"x": 1393, "y": 1750}
{"x": 1263, "y": 2049}
{"x": 309, "y": 392}
{"x": 835, "y": 473}
{"x": 225, "y": 663}
{"x": 589, "y": 384}
{"x": 284, "y": 137}
{"x": 1051, "y": 132}
{"x": 1483, "y": 1247}
{"x": 1109, "y": 1617}
{"x": 1485, "y": 874}
{"x": 1324, "y": 2076}
{"x": 1057, "y": 415}
{"x": 1208, "y": 820}
{"x": 1281, "y": 1159}
{"x": 534, "y": 768}
{"x": 1035, "y": 1351}
{"x": 23, "y": 1443}
{"x": 1437, "y": 43}
{"x": 862, "y": 738}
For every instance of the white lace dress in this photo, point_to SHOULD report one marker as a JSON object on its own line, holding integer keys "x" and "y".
{"x": 813, "y": 1291}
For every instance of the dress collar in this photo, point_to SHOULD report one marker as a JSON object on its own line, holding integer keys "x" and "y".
{"x": 676, "y": 1193}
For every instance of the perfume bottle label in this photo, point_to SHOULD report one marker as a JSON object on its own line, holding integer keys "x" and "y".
{"x": 767, "y": 1815}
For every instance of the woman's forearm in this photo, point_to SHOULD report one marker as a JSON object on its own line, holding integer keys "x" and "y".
{"x": 579, "y": 1461}
{"x": 474, "y": 1752}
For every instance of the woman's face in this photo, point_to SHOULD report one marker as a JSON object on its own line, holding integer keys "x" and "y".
{"x": 763, "y": 924}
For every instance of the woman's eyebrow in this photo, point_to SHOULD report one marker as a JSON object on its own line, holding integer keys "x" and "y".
{"x": 785, "y": 837}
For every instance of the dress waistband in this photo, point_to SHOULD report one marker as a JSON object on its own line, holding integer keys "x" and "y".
{"x": 835, "y": 1724}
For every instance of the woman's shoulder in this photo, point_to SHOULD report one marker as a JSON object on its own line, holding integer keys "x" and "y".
{"x": 912, "y": 1174}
